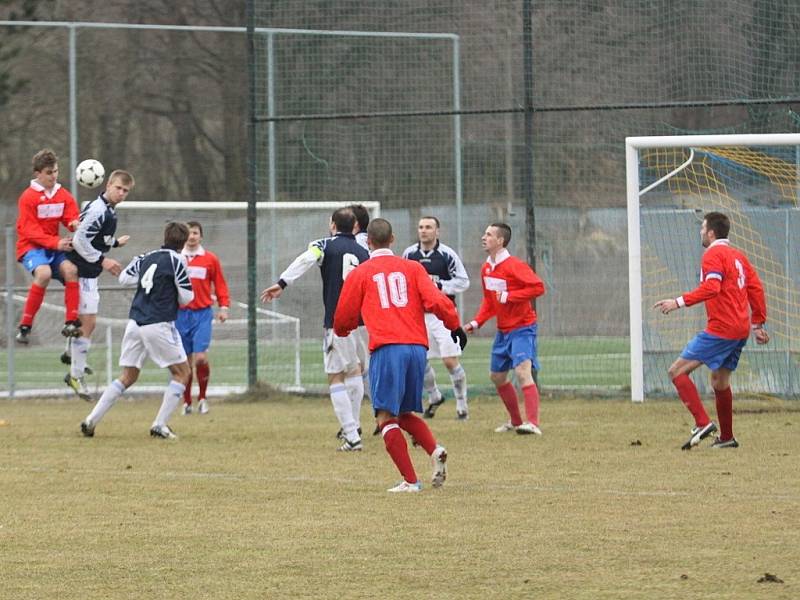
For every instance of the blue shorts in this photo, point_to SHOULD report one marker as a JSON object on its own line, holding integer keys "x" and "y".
{"x": 41, "y": 256}
{"x": 195, "y": 328}
{"x": 396, "y": 372}
{"x": 713, "y": 351}
{"x": 513, "y": 348}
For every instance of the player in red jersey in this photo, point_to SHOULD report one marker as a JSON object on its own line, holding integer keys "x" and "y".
{"x": 734, "y": 299}
{"x": 43, "y": 206}
{"x": 392, "y": 295}
{"x": 509, "y": 285}
{"x": 194, "y": 319}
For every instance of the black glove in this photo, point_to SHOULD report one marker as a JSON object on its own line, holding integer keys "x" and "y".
{"x": 459, "y": 337}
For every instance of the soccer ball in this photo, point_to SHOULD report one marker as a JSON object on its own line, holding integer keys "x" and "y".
{"x": 90, "y": 173}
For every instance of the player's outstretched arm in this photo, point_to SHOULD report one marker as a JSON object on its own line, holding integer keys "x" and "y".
{"x": 271, "y": 293}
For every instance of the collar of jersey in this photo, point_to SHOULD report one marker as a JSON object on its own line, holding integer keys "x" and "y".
{"x": 40, "y": 188}
{"x": 381, "y": 252}
{"x": 719, "y": 242}
{"x": 501, "y": 256}
{"x": 200, "y": 252}
{"x": 427, "y": 252}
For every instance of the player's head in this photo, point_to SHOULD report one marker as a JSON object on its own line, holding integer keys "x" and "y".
{"x": 343, "y": 220}
{"x": 716, "y": 226}
{"x": 362, "y": 216}
{"x": 428, "y": 231}
{"x": 119, "y": 185}
{"x": 195, "y": 234}
{"x": 175, "y": 236}
{"x": 496, "y": 236}
{"x": 379, "y": 234}
{"x": 45, "y": 167}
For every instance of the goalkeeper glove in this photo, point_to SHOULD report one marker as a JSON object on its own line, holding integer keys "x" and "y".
{"x": 459, "y": 337}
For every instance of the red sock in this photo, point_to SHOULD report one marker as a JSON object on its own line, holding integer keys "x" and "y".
{"x": 396, "y": 446}
{"x": 509, "y": 396}
{"x": 689, "y": 396}
{"x": 32, "y": 304}
{"x": 725, "y": 413}
{"x": 187, "y": 392}
{"x": 203, "y": 372}
{"x": 72, "y": 296}
{"x": 531, "y": 395}
{"x": 419, "y": 430}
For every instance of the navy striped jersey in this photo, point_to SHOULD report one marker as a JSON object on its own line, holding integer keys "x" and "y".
{"x": 94, "y": 237}
{"x": 443, "y": 265}
{"x": 162, "y": 283}
{"x": 336, "y": 257}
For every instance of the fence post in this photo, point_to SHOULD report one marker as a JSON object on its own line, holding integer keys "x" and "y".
{"x": 10, "y": 307}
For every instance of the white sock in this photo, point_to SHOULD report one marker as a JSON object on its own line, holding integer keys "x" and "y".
{"x": 365, "y": 384}
{"x": 429, "y": 384}
{"x": 107, "y": 400}
{"x": 344, "y": 411}
{"x": 172, "y": 398}
{"x": 459, "y": 378}
{"x": 355, "y": 391}
{"x": 79, "y": 353}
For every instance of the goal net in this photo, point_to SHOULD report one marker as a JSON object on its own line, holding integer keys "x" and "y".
{"x": 288, "y": 331}
{"x": 672, "y": 182}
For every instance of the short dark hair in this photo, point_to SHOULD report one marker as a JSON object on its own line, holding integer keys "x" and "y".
{"x": 344, "y": 219}
{"x": 719, "y": 223}
{"x": 43, "y": 159}
{"x": 362, "y": 215}
{"x": 432, "y": 218}
{"x": 379, "y": 233}
{"x": 191, "y": 224}
{"x": 503, "y": 231}
{"x": 175, "y": 235}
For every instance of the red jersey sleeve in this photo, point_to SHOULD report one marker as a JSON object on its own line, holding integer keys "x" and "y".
{"x": 532, "y": 285}
{"x": 71, "y": 212}
{"x": 348, "y": 308}
{"x": 712, "y": 269}
{"x": 435, "y": 301}
{"x": 487, "y": 308}
{"x": 29, "y": 228}
{"x": 755, "y": 295}
{"x": 220, "y": 285}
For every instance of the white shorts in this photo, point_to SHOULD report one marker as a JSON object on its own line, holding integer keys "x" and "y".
{"x": 440, "y": 344}
{"x": 160, "y": 341}
{"x": 362, "y": 347}
{"x": 340, "y": 353}
{"x": 90, "y": 296}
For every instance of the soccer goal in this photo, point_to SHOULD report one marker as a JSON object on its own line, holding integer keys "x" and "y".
{"x": 288, "y": 332}
{"x": 672, "y": 181}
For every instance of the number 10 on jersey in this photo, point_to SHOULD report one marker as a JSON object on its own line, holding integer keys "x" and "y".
{"x": 392, "y": 289}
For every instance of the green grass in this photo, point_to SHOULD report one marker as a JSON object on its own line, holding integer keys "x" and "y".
{"x": 252, "y": 501}
{"x": 567, "y": 363}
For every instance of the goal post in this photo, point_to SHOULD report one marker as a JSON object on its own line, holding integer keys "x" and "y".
{"x": 671, "y": 182}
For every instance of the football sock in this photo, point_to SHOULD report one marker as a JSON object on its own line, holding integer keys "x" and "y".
{"x": 32, "y": 304}
{"x": 187, "y": 393}
{"x": 396, "y": 446}
{"x": 429, "y": 384}
{"x": 531, "y": 395}
{"x": 107, "y": 400}
{"x": 343, "y": 410}
{"x": 509, "y": 396}
{"x": 419, "y": 430}
{"x": 724, "y": 400}
{"x": 72, "y": 296}
{"x": 80, "y": 351}
{"x": 171, "y": 400}
{"x": 687, "y": 392}
{"x": 459, "y": 378}
{"x": 355, "y": 391}
{"x": 203, "y": 373}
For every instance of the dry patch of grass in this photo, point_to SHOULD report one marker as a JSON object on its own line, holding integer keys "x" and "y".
{"x": 253, "y": 502}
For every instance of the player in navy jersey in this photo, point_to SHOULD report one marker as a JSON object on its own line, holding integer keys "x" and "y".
{"x": 95, "y": 236}
{"x": 448, "y": 273}
{"x": 162, "y": 283}
{"x": 362, "y": 336}
{"x": 735, "y": 302}
{"x": 336, "y": 256}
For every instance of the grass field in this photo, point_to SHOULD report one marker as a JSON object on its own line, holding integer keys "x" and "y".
{"x": 571, "y": 363}
{"x": 252, "y": 501}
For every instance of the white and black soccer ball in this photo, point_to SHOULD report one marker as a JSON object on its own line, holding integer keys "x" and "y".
{"x": 90, "y": 173}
